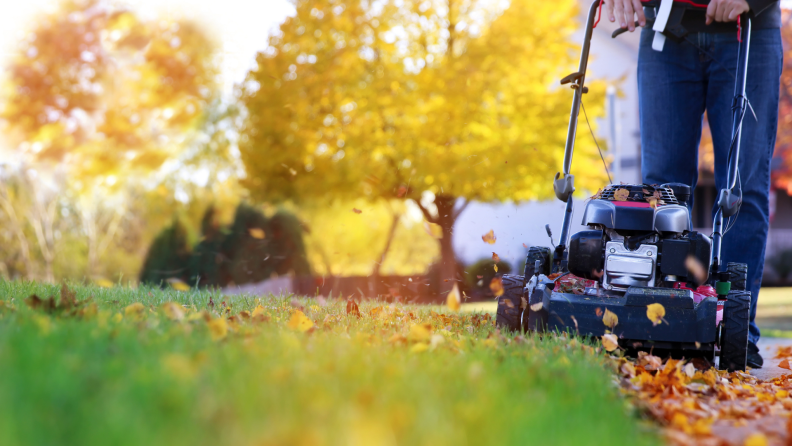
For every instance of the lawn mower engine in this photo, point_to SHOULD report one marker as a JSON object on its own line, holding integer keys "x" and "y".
{"x": 640, "y": 236}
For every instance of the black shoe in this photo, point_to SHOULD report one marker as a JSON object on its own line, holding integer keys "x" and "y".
{"x": 755, "y": 360}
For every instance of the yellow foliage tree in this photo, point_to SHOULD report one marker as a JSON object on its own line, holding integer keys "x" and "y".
{"x": 98, "y": 89}
{"x": 437, "y": 101}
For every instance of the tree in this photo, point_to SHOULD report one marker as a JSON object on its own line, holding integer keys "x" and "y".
{"x": 435, "y": 101}
{"x": 98, "y": 89}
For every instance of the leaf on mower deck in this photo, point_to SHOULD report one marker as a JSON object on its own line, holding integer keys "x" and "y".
{"x": 489, "y": 237}
{"x": 596, "y": 196}
{"x": 621, "y": 194}
{"x": 696, "y": 268}
{"x": 784, "y": 364}
{"x": 610, "y": 342}
{"x": 352, "y": 308}
{"x": 655, "y": 312}
{"x": 257, "y": 233}
{"x": 495, "y": 258}
{"x": 300, "y": 322}
{"x": 610, "y": 319}
{"x": 496, "y": 286}
{"x": 433, "y": 229}
{"x": 453, "y": 300}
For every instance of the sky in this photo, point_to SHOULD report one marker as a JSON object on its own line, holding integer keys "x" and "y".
{"x": 240, "y": 26}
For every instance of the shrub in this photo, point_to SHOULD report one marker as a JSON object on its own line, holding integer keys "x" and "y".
{"x": 168, "y": 257}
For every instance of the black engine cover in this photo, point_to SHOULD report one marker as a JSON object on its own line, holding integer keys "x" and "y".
{"x": 674, "y": 254}
{"x": 586, "y": 250}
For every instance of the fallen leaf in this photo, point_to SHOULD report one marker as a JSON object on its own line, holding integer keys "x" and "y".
{"x": 134, "y": 309}
{"x": 178, "y": 285}
{"x": 689, "y": 369}
{"x": 258, "y": 311}
{"x": 433, "y": 229}
{"x": 610, "y": 342}
{"x": 104, "y": 283}
{"x": 453, "y": 300}
{"x": 610, "y": 319}
{"x": 756, "y": 439}
{"x": 655, "y": 312}
{"x": 218, "y": 328}
{"x": 496, "y": 286}
{"x": 696, "y": 268}
{"x": 256, "y": 233}
{"x": 420, "y": 332}
{"x": 621, "y": 194}
{"x": 784, "y": 364}
{"x": 352, "y": 308}
{"x": 489, "y": 237}
{"x": 173, "y": 311}
{"x": 419, "y": 347}
{"x": 299, "y": 321}
{"x": 357, "y": 211}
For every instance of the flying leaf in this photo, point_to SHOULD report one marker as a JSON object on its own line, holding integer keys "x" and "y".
{"x": 104, "y": 283}
{"x": 453, "y": 300}
{"x": 610, "y": 342}
{"x": 357, "y": 211}
{"x": 495, "y": 267}
{"x": 489, "y": 237}
{"x": 256, "y": 233}
{"x": 433, "y": 229}
{"x": 496, "y": 286}
{"x": 621, "y": 194}
{"x": 536, "y": 307}
{"x": 495, "y": 258}
{"x": 299, "y": 321}
{"x": 655, "y": 312}
{"x": 178, "y": 285}
{"x": 693, "y": 264}
{"x": 610, "y": 319}
{"x": 598, "y": 312}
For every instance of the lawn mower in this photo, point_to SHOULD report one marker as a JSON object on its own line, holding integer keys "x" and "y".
{"x": 640, "y": 249}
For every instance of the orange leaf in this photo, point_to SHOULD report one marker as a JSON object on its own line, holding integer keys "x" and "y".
{"x": 621, "y": 194}
{"x": 495, "y": 258}
{"x": 785, "y": 364}
{"x": 489, "y": 237}
{"x": 496, "y": 285}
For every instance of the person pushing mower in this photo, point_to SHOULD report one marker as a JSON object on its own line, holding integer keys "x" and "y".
{"x": 689, "y": 70}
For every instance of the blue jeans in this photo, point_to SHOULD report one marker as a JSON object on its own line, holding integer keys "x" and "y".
{"x": 675, "y": 87}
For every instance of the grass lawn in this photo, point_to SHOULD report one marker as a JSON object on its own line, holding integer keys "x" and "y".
{"x": 114, "y": 373}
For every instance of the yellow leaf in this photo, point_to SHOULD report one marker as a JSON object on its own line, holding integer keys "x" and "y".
{"x": 259, "y": 310}
{"x": 256, "y": 233}
{"x": 496, "y": 286}
{"x": 454, "y": 301}
{"x": 433, "y": 229}
{"x": 419, "y": 347}
{"x": 655, "y": 313}
{"x": 178, "y": 285}
{"x": 489, "y": 237}
{"x": 495, "y": 267}
{"x": 420, "y": 332}
{"x": 610, "y": 342}
{"x": 299, "y": 321}
{"x": 756, "y": 439}
{"x": 104, "y": 283}
{"x": 134, "y": 309}
{"x": 610, "y": 319}
{"x": 173, "y": 311}
{"x": 117, "y": 318}
{"x": 218, "y": 328}
{"x": 621, "y": 194}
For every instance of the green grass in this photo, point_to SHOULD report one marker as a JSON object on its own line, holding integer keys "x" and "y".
{"x": 148, "y": 380}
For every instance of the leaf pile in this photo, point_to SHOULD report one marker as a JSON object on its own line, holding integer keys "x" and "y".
{"x": 698, "y": 405}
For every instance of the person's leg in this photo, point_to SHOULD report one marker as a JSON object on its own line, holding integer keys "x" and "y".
{"x": 745, "y": 241}
{"x": 671, "y": 93}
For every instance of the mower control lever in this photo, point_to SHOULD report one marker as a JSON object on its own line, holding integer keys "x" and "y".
{"x": 620, "y": 31}
{"x": 574, "y": 77}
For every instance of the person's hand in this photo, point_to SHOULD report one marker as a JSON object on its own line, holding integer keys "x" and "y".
{"x": 626, "y": 10}
{"x": 725, "y": 10}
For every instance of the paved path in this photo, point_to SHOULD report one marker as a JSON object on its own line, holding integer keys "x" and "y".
{"x": 768, "y": 347}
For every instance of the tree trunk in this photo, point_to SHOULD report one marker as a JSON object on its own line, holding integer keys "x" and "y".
{"x": 446, "y": 217}
{"x": 391, "y": 232}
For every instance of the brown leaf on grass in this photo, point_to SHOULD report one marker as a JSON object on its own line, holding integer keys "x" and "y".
{"x": 695, "y": 267}
{"x": 621, "y": 194}
{"x": 610, "y": 319}
{"x": 489, "y": 237}
{"x": 352, "y": 308}
{"x": 38, "y": 303}
{"x": 496, "y": 286}
{"x": 68, "y": 298}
